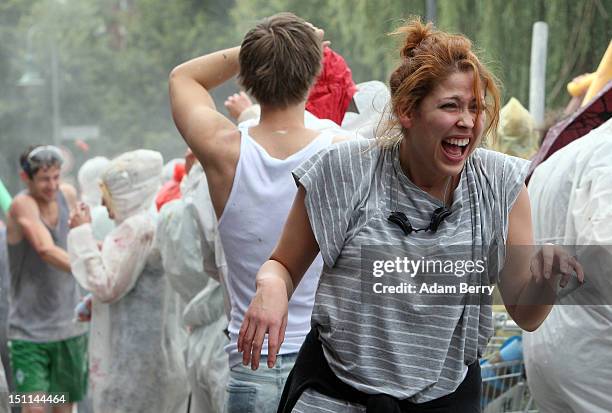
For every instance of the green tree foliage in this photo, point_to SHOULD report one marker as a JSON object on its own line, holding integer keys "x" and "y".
{"x": 578, "y": 34}
{"x": 115, "y": 55}
{"x": 14, "y": 116}
{"x": 358, "y": 29}
{"x": 114, "y": 60}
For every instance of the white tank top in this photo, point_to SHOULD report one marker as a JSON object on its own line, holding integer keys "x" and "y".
{"x": 250, "y": 226}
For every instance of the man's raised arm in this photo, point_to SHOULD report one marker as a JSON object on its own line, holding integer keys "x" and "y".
{"x": 193, "y": 109}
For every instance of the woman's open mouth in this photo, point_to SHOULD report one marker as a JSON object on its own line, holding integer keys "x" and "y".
{"x": 455, "y": 148}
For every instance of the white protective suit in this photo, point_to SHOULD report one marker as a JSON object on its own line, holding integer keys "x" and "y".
{"x": 193, "y": 261}
{"x": 89, "y": 184}
{"x": 569, "y": 357}
{"x": 136, "y": 342}
{"x": 372, "y": 101}
{"x": 168, "y": 169}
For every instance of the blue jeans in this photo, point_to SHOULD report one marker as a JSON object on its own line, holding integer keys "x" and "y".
{"x": 257, "y": 391}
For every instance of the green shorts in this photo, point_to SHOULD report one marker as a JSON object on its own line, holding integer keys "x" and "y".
{"x": 54, "y": 367}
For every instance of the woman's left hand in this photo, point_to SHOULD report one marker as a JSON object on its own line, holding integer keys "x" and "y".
{"x": 552, "y": 260}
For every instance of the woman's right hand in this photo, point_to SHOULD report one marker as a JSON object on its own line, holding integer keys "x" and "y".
{"x": 266, "y": 314}
{"x": 276, "y": 281}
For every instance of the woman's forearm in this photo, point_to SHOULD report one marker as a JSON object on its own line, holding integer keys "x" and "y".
{"x": 274, "y": 270}
{"x": 528, "y": 302}
{"x": 533, "y": 305}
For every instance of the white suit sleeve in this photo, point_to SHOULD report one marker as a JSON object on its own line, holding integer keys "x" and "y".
{"x": 178, "y": 240}
{"x": 111, "y": 273}
{"x": 592, "y": 207}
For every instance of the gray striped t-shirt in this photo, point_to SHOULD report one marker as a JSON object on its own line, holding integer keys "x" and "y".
{"x": 414, "y": 346}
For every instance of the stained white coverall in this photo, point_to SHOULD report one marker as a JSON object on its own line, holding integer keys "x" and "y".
{"x": 569, "y": 357}
{"x": 194, "y": 263}
{"x": 89, "y": 185}
{"x": 136, "y": 341}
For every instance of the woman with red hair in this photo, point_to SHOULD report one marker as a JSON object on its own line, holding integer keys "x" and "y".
{"x": 384, "y": 337}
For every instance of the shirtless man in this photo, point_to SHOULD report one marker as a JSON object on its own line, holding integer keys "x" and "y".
{"x": 47, "y": 349}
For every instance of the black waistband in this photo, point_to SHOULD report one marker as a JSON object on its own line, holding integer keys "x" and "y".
{"x": 311, "y": 370}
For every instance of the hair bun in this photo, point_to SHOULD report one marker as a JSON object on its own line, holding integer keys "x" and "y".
{"x": 415, "y": 33}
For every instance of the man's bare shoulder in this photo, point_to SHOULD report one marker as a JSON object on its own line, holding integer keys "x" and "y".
{"x": 70, "y": 194}
{"x": 23, "y": 204}
{"x": 227, "y": 147}
{"x": 203, "y": 125}
{"x": 68, "y": 189}
{"x": 24, "y": 210}
{"x": 229, "y": 135}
